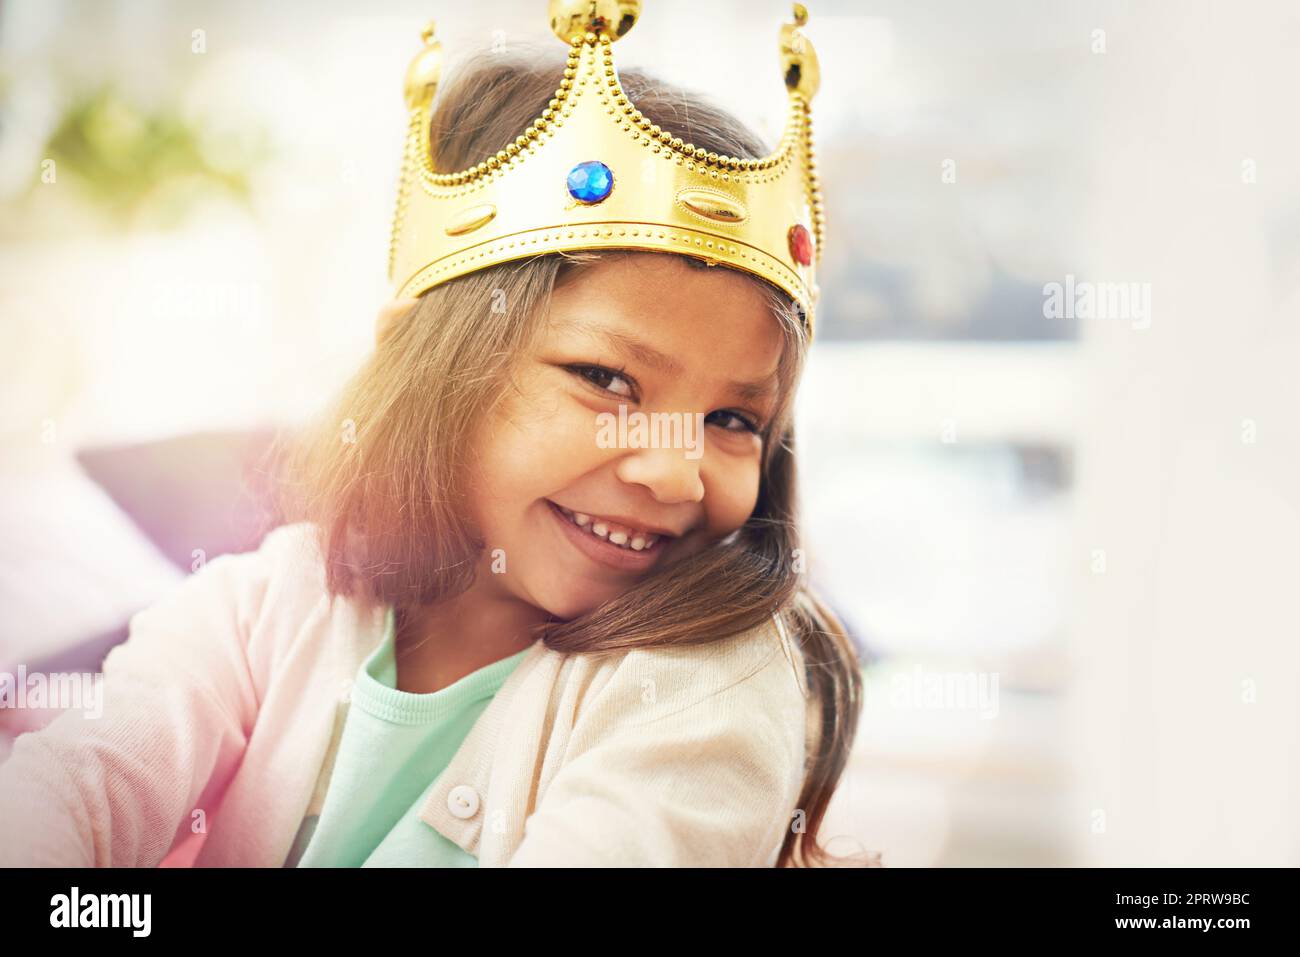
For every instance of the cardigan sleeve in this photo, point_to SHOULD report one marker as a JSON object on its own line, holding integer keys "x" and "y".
{"x": 685, "y": 758}
{"x": 176, "y": 702}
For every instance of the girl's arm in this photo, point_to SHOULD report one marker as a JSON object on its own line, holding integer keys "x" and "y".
{"x": 681, "y": 760}
{"x": 177, "y": 701}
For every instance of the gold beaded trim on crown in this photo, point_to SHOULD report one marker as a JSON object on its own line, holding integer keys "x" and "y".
{"x": 592, "y": 172}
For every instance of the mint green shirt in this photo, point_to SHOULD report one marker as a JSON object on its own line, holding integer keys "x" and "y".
{"x": 394, "y": 744}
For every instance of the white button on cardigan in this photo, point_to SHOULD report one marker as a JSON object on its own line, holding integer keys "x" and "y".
{"x": 462, "y": 801}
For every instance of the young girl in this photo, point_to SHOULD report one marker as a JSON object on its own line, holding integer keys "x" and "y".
{"x": 486, "y": 634}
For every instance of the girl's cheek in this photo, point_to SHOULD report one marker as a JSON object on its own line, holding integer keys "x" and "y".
{"x": 547, "y": 445}
{"x": 576, "y": 429}
{"x": 731, "y": 485}
{"x": 539, "y": 417}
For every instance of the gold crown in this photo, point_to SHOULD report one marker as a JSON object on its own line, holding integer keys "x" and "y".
{"x": 593, "y": 173}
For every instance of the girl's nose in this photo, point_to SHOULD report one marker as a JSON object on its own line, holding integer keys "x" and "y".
{"x": 671, "y": 475}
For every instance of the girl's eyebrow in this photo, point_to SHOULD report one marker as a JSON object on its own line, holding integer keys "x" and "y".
{"x": 643, "y": 352}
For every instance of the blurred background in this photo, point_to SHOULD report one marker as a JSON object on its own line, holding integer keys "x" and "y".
{"x": 1064, "y": 534}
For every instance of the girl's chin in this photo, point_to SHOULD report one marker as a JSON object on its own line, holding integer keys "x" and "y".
{"x": 564, "y": 610}
{"x": 571, "y": 599}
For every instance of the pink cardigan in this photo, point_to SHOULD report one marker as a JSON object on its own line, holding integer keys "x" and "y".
{"x": 220, "y": 709}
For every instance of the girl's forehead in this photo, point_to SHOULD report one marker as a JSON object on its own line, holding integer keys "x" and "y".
{"x": 652, "y": 290}
{"x": 660, "y": 312}
{"x": 629, "y": 271}
{"x": 655, "y": 336}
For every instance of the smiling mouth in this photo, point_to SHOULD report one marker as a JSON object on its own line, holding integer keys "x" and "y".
{"x": 618, "y": 556}
{"x": 620, "y": 536}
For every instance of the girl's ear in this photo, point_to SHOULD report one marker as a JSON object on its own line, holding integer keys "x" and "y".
{"x": 389, "y": 313}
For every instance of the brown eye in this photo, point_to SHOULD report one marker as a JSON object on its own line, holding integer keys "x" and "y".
{"x": 603, "y": 378}
{"x": 746, "y": 424}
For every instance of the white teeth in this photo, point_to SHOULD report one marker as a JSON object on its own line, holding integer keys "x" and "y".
{"x": 639, "y": 542}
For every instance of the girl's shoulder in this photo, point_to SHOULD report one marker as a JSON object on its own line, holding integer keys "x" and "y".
{"x": 284, "y": 572}
{"x": 686, "y": 755}
{"x": 292, "y": 553}
{"x": 260, "y": 599}
{"x": 745, "y": 679}
{"x": 286, "y": 564}
{"x": 763, "y": 657}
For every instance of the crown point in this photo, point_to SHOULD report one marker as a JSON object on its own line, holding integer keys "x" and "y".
{"x": 422, "y": 75}
{"x": 607, "y": 20}
{"x": 798, "y": 58}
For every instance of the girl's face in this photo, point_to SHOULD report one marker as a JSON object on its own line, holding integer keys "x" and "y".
{"x": 564, "y": 493}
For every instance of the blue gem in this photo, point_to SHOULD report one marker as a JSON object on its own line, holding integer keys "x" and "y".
{"x": 590, "y": 182}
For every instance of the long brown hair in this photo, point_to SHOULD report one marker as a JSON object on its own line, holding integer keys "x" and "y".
{"x": 391, "y": 516}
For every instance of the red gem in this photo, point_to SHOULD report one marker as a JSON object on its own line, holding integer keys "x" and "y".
{"x": 801, "y": 246}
